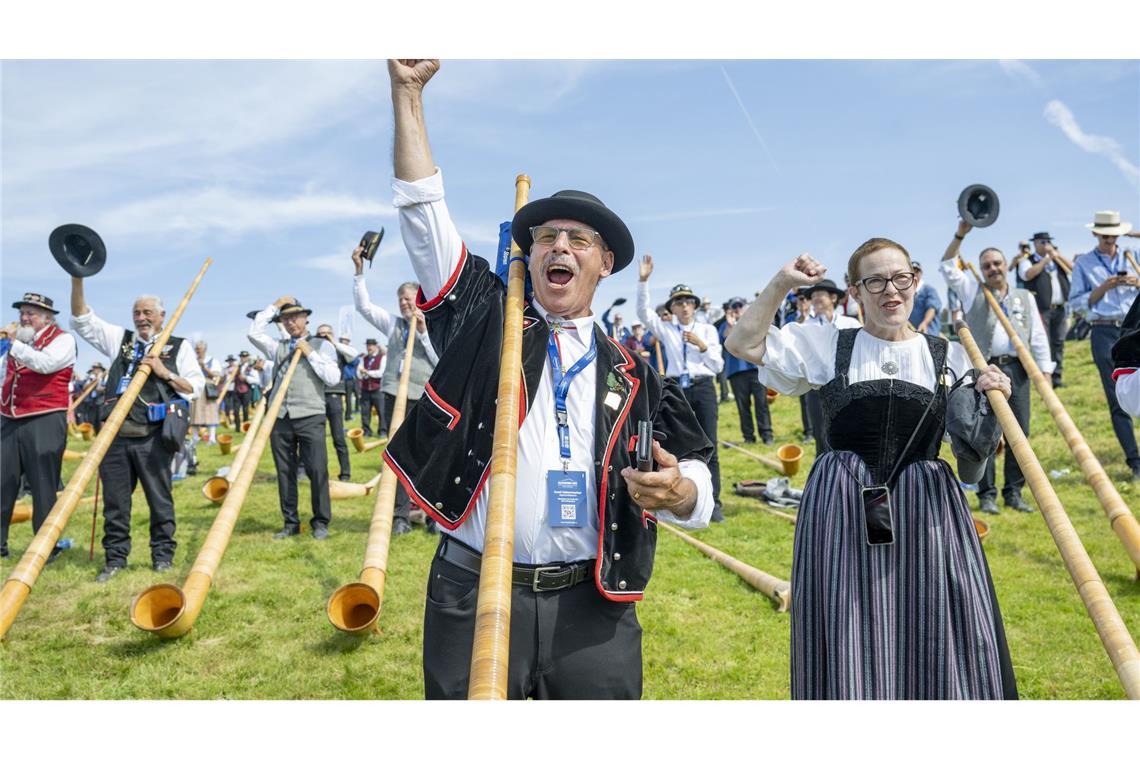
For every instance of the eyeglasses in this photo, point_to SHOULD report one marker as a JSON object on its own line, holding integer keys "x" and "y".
{"x": 579, "y": 238}
{"x": 875, "y": 284}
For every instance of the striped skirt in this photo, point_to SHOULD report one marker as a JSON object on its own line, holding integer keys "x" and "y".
{"x": 916, "y": 619}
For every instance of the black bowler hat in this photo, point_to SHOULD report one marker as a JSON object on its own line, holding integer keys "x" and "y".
{"x": 582, "y": 207}
{"x": 1041, "y": 236}
{"x": 35, "y": 299}
{"x": 828, "y": 285}
{"x": 371, "y": 342}
{"x": 290, "y": 309}
{"x": 231, "y": 358}
{"x": 243, "y": 353}
{"x": 681, "y": 291}
{"x": 78, "y": 249}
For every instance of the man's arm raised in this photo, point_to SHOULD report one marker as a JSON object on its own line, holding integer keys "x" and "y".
{"x": 411, "y": 154}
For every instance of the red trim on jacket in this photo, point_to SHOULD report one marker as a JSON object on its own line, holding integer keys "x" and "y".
{"x": 613, "y": 595}
{"x": 427, "y": 506}
{"x": 423, "y": 305}
{"x": 27, "y": 393}
{"x": 1117, "y": 374}
{"x": 443, "y": 406}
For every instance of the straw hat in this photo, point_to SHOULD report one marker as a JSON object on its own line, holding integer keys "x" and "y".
{"x": 1108, "y": 223}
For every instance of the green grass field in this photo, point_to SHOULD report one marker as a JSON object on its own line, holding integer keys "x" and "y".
{"x": 263, "y": 634}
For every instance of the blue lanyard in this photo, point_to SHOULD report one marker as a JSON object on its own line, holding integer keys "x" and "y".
{"x": 684, "y": 348}
{"x": 140, "y": 352}
{"x": 1111, "y": 264}
{"x": 562, "y": 389}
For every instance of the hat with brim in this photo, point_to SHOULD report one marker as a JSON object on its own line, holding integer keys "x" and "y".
{"x": 35, "y": 299}
{"x": 1041, "y": 236}
{"x": 371, "y": 342}
{"x": 243, "y": 353}
{"x": 681, "y": 291}
{"x": 974, "y": 430}
{"x": 1108, "y": 223}
{"x": 78, "y": 249}
{"x": 828, "y": 285}
{"x": 581, "y": 207}
{"x": 291, "y": 309}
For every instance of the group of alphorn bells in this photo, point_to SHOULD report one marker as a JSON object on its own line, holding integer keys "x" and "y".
{"x": 169, "y": 611}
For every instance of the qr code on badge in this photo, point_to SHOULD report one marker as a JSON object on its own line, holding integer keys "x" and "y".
{"x": 569, "y": 512}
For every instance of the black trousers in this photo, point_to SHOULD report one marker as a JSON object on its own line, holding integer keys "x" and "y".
{"x": 701, "y": 395}
{"x": 242, "y": 402}
{"x": 301, "y": 439}
{"x": 567, "y": 644}
{"x": 1056, "y": 326}
{"x": 1102, "y": 337}
{"x": 403, "y": 503}
{"x": 350, "y": 395}
{"x": 129, "y": 462}
{"x": 805, "y": 417}
{"x": 723, "y": 383}
{"x": 748, "y": 390}
{"x": 31, "y": 448}
{"x": 334, "y": 413}
{"x": 370, "y": 400}
{"x": 1019, "y": 403}
{"x": 814, "y": 403}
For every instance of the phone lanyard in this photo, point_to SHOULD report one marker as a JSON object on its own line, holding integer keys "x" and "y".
{"x": 140, "y": 351}
{"x": 562, "y": 389}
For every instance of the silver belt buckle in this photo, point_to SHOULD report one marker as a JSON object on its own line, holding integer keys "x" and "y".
{"x": 538, "y": 573}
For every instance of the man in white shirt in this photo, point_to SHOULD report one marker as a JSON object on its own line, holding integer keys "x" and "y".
{"x": 36, "y": 373}
{"x": 694, "y": 359}
{"x": 137, "y": 454}
{"x": 582, "y": 512}
{"x": 1020, "y": 308}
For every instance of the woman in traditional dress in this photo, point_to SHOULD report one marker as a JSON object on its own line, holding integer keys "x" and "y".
{"x": 904, "y": 610}
{"x": 204, "y": 410}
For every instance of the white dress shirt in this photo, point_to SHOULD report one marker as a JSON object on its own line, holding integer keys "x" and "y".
{"x": 1057, "y": 298}
{"x": 106, "y": 338}
{"x": 383, "y": 320}
{"x": 55, "y": 356}
{"x": 436, "y": 251}
{"x": 375, "y": 374}
{"x": 322, "y": 358}
{"x": 680, "y": 356}
{"x": 1000, "y": 345}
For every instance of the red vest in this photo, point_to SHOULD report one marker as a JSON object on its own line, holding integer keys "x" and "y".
{"x": 372, "y": 363}
{"x": 26, "y": 393}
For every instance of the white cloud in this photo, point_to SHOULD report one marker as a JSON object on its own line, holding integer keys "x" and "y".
{"x": 747, "y": 116}
{"x": 1059, "y": 115}
{"x": 1021, "y": 70}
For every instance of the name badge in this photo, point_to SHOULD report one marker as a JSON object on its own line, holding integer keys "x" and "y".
{"x": 684, "y": 380}
{"x": 123, "y": 383}
{"x": 566, "y": 498}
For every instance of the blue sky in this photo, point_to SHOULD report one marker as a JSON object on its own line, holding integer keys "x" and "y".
{"x": 723, "y": 169}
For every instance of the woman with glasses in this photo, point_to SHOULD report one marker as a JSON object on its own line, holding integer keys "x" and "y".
{"x": 891, "y": 595}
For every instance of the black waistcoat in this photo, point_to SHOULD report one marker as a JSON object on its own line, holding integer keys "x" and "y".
{"x": 154, "y": 391}
{"x": 1041, "y": 286}
{"x": 442, "y": 452}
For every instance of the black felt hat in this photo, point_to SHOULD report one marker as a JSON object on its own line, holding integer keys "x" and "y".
{"x": 35, "y": 299}
{"x": 78, "y": 249}
{"x": 828, "y": 285}
{"x": 290, "y": 309}
{"x": 1041, "y": 236}
{"x": 582, "y": 207}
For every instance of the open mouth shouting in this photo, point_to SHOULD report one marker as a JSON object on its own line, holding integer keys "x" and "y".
{"x": 560, "y": 273}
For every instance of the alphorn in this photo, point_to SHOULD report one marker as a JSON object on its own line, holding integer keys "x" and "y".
{"x": 491, "y": 646}
{"x": 22, "y": 511}
{"x": 1132, "y": 260}
{"x": 79, "y": 399}
{"x": 789, "y": 455}
{"x": 356, "y": 435}
{"x": 1120, "y": 517}
{"x": 1109, "y": 626}
{"x": 216, "y": 487}
{"x": 355, "y": 607}
{"x": 23, "y": 577}
{"x": 169, "y": 611}
{"x": 660, "y": 359}
{"x": 339, "y": 490}
{"x": 776, "y": 589}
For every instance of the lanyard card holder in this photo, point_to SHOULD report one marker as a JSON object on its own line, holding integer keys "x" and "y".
{"x": 685, "y": 381}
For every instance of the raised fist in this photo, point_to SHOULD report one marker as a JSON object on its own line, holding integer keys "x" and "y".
{"x": 804, "y": 270}
{"x": 412, "y": 72}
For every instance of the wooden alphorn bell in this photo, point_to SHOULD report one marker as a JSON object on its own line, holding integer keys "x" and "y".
{"x": 355, "y": 607}
{"x": 491, "y": 647}
{"x": 169, "y": 611}
{"x": 776, "y": 589}
{"x": 23, "y": 577}
{"x": 215, "y": 488}
{"x": 1120, "y": 517}
{"x": 1109, "y": 626}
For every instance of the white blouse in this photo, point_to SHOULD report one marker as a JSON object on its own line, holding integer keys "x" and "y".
{"x": 801, "y": 357}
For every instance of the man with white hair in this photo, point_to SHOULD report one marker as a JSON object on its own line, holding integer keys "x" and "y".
{"x": 137, "y": 455}
{"x": 36, "y": 372}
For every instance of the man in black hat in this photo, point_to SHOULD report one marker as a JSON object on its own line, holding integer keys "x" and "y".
{"x": 585, "y": 519}
{"x": 242, "y": 389}
{"x": 299, "y": 431}
{"x": 1045, "y": 274}
{"x": 824, "y": 299}
{"x": 137, "y": 455}
{"x": 34, "y": 398}
{"x": 746, "y": 386}
{"x": 371, "y": 374}
{"x": 88, "y": 409}
{"x": 334, "y": 401}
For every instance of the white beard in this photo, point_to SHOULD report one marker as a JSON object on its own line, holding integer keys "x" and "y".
{"x": 25, "y": 333}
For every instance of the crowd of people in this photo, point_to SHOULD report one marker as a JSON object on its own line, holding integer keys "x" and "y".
{"x": 876, "y": 366}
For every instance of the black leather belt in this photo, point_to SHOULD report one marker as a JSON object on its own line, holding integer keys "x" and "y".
{"x": 538, "y": 578}
{"x": 1106, "y": 322}
{"x": 1000, "y": 360}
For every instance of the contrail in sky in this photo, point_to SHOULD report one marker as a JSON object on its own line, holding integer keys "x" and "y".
{"x": 748, "y": 116}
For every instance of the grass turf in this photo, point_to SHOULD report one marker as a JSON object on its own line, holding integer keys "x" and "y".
{"x": 263, "y": 633}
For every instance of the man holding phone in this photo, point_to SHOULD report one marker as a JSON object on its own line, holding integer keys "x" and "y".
{"x": 1105, "y": 285}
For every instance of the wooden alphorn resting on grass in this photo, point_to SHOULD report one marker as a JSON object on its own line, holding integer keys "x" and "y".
{"x": 169, "y": 611}
{"x": 1109, "y": 626}
{"x": 215, "y": 488}
{"x": 22, "y": 510}
{"x": 491, "y": 647}
{"x": 23, "y": 577}
{"x": 355, "y": 607}
{"x": 779, "y": 591}
{"x": 1120, "y": 517}
{"x": 356, "y": 435}
{"x": 788, "y": 464}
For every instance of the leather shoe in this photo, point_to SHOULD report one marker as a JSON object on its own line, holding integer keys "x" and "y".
{"x": 989, "y": 506}
{"x": 163, "y": 566}
{"x": 344, "y": 477}
{"x": 1017, "y": 504}
{"x": 3, "y": 552}
{"x": 286, "y": 533}
{"x": 768, "y": 440}
{"x": 1136, "y": 473}
{"x": 109, "y": 572}
{"x": 55, "y": 552}
{"x": 320, "y": 533}
{"x": 431, "y": 526}
{"x": 717, "y": 514}
{"x": 401, "y": 526}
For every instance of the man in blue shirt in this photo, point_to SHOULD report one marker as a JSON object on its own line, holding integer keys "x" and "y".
{"x": 1104, "y": 284}
{"x": 349, "y": 383}
{"x": 746, "y": 385}
{"x": 927, "y": 305}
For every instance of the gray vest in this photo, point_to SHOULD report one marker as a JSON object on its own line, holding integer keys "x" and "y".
{"x": 421, "y": 367}
{"x": 306, "y": 393}
{"x": 981, "y": 318}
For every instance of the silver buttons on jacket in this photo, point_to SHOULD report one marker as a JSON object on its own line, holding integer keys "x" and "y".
{"x": 617, "y": 556}
{"x": 621, "y": 585}
{"x": 613, "y": 526}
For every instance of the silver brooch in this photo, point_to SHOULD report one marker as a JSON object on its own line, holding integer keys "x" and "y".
{"x": 889, "y": 368}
